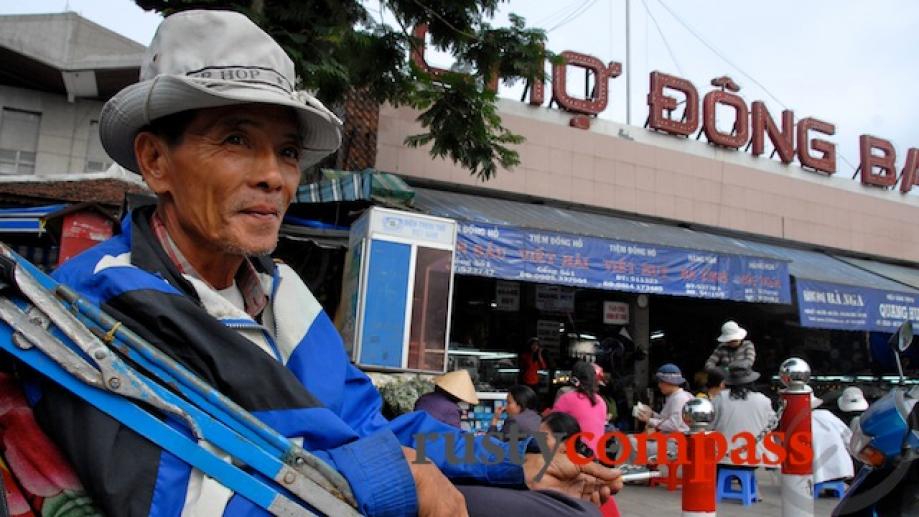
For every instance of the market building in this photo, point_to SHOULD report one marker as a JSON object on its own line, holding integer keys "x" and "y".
{"x": 662, "y": 233}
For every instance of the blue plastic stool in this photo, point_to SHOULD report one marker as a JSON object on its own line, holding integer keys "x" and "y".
{"x": 838, "y": 486}
{"x": 747, "y": 494}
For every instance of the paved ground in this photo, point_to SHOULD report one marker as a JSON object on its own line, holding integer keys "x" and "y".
{"x": 643, "y": 501}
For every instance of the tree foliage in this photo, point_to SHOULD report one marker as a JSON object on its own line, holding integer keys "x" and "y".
{"x": 342, "y": 45}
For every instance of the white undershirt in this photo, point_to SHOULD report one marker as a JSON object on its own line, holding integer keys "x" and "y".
{"x": 233, "y": 295}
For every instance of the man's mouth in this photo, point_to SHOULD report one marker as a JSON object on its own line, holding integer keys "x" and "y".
{"x": 265, "y": 213}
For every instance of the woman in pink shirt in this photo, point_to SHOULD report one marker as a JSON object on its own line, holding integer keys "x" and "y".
{"x": 583, "y": 403}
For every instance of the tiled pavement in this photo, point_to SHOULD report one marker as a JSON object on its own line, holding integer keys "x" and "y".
{"x": 643, "y": 501}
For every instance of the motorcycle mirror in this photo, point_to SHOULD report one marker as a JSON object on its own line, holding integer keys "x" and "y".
{"x": 905, "y": 335}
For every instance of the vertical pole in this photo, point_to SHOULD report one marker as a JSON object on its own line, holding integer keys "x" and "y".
{"x": 797, "y": 469}
{"x": 699, "y": 476}
{"x": 628, "y": 67}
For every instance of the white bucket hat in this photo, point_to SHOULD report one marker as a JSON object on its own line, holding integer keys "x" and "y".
{"x": 209, "y": 59}
{"x": 731, "y": 331}
{"x": 852, "y": 399}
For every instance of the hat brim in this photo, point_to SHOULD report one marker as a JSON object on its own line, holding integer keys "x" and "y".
{"x": 746, "y": 379}
{"x": 855, "y": 405}
{"x": 670, "y": 380}
{"x": 735, "y": 336}
{"x": 134, "y": 107}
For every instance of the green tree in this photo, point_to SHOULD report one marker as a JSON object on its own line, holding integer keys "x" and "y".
{"x": 342, "y": 45}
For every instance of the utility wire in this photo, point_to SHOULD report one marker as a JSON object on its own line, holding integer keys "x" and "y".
{"x": 585, "y": 7}
{"x": 663, "y": 38}
{"x": 570, "y": 8}
{"x": 719, "y": 54}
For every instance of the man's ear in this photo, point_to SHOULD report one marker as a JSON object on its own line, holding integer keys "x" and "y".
{"x": 152, "y": 155}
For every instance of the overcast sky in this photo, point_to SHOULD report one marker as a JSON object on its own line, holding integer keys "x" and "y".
{"x": 848, "y": 62}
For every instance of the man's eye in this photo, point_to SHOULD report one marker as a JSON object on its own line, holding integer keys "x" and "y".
{"x": 291, "y": 152}
{"x": 235, "y": 140}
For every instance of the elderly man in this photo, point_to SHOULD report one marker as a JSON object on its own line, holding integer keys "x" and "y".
{"x": 218, "y": 133}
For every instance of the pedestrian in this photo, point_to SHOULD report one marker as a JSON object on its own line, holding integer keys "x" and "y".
{"x": 530, "y": 361}
{"x": 713, "y": 385}
{"x": 562, "y": 426}
{"x": 449, "y": 390}
{"x": 829, "y": 437}
{"x": 217, "y": 130}
{"x": 670, "y": 382}
{"x": 732, "y": 348}
{"x": 584, "y": 403}
{"x": 851, "y": 403}
{"x": 741, "y": 409}
{"x": 521, "y": 411}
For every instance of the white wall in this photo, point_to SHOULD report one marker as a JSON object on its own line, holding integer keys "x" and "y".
{"x": 64, "y": 129}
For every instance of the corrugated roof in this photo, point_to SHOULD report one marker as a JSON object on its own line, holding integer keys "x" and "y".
{"x": 822, "y": 267}
{"x": 902, "y": 274}
{"x": 503, "y": 212}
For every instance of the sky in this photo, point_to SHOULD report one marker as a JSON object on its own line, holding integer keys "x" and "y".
{"x": 848, "y": 62}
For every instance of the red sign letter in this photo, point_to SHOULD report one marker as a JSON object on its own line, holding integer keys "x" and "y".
{"x": 784, "y": 141}
{"x": 658, "y": 102}
{"x": 886, "y": 174}
{"x": 910, "y": 172}
{"x": 419, "y": 32}
{"x": 599, "y": 97}
{"x": 826, "y": 162}
{"x": 736, "y": 138}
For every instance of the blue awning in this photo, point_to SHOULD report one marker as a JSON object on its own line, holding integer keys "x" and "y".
{"x": 539, "y": 243}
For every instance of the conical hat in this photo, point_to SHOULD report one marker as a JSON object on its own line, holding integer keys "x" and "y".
{"x": 459, "y": 384}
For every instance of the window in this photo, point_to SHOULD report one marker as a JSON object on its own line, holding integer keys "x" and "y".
{"x": 96, "y": 159}
{"x": 18, "y": 141}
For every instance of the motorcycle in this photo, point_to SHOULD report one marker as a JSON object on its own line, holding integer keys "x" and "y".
{"x": 885, "y": 438}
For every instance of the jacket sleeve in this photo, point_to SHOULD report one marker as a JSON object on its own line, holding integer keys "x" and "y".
{"x": 674, "y": 420}
{"x": 747, "y": 354}
{"x": 712, "y": 360}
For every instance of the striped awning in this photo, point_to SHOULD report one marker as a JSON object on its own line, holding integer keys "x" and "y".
{"x": 30, "y": 220}
{"x": 367, "y": 185}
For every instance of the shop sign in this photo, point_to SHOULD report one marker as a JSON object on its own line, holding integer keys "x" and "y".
{"x": 804, "y": 139}
{"x": 844, "y": 307}
{"x": 413, "y": 227}
{"x": 577, "y": 261}
{"x": 615, "y": 313}
{"x": 554, "y": 298}
{"x": 548, "y": 332}
{"x": 507, "y": 296}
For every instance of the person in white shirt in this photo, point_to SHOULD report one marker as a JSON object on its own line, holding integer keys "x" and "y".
{"x": 740, "y": 409}
{"x": 670, "y": 382}
{"x": 829, "y": 437}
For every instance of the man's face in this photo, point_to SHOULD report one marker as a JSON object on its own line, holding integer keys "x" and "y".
{"x": 666, "y": 388}
{"x": 227, "y": 184}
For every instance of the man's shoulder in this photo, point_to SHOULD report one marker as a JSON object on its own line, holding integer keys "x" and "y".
{"x": 112, "y": 252}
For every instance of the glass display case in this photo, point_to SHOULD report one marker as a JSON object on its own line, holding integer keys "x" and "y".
{"x": 477, "y": 418}
{"x": 490, "y": 370}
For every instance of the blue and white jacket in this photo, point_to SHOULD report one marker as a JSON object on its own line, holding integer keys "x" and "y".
{"x": 290, "y": 370}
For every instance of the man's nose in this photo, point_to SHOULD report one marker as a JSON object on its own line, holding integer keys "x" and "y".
{"x": 267, "y": 171}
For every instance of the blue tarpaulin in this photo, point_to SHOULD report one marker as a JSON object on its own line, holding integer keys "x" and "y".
{"x": 28, "y": 219}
